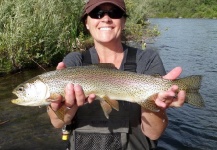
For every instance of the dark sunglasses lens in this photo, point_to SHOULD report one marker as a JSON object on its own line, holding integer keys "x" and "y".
{"x": 96, "y": 14}
{"x": 113, "y": 13}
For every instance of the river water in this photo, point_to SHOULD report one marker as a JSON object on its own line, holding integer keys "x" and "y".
{"x": 26, "y": 128}
{"x": 189, "y": 43}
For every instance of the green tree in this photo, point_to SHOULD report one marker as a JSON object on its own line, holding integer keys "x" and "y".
{"x": 184, "y": 8}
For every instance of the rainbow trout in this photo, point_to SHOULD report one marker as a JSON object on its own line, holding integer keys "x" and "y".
{"x": 108, "y": 84}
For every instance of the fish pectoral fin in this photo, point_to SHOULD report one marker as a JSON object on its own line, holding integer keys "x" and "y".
{"x": 149, "y": 104}
{"x": 54, "y": 97}
{"x": 107, "y": 109}
{"x": 113, "y": 103}
{"x": 60, "y": 112}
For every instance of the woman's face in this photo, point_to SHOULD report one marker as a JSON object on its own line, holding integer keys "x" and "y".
{"x": 105, "y": 29}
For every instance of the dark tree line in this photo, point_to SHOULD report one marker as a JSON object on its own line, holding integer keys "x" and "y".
{"x": 183, "y": 8}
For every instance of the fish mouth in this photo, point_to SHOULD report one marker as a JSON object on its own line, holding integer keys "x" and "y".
{"x": 14, "y": 92}
{"x": 15, "y": 101}
{"x": 20, "y": 102}
{"x": 23, "y": 102}
{"x": 15, "y": 95}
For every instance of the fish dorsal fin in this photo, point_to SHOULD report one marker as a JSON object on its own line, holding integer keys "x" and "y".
{"x": 104, "y": 65}
{"x": 156, "y": 75}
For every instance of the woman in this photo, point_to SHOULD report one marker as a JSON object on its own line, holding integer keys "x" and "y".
{"x": 133, "y": 127}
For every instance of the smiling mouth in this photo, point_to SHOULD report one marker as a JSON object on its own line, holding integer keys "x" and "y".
{"x": 106, "y": 29}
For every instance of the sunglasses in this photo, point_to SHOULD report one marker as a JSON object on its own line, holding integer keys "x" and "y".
{"x": 114, "y": 13}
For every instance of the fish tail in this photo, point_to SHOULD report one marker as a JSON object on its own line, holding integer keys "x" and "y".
{"x": 191, "y": 86}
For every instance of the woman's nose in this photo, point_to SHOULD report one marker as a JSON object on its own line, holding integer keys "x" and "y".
{"x": 106, "y": 18}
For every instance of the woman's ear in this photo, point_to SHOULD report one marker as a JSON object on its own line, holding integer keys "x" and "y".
{"x": 123, "y": 24}
{"x": 87, "y": 27}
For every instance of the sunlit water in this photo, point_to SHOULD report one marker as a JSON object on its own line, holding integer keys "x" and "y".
{"x": 191, "y": 44}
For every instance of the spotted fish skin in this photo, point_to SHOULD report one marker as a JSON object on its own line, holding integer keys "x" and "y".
{"x": 108, "y": 83}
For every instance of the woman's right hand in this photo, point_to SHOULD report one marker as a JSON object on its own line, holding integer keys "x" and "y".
{"x": 74, "y": 97}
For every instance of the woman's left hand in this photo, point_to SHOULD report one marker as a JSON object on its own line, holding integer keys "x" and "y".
{"x": 173, "y": 97}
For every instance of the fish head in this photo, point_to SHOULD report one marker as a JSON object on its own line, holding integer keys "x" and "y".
{"x": 31, "y": 93}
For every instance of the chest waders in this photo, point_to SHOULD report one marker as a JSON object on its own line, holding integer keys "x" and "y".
{"x": 90, "y": 130}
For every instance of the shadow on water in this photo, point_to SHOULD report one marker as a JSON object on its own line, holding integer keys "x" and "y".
{"x": 25, "y": 127}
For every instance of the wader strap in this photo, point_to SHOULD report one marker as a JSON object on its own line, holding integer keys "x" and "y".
{"x": 129, "y": 65}
{"x": 86, "y": 58}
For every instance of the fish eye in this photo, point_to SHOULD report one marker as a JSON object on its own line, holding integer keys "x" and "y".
{"x": 21, "y": 88}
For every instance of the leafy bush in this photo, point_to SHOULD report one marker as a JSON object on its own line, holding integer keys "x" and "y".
{"x": 37, "y": 30}
{"x": 41, "y": 32}
{"x": 137, "y": 21}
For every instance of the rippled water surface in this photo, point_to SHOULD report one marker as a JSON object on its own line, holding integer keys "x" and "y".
{"x": 191, "y": 44}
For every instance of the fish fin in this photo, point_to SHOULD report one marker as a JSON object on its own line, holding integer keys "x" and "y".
{"x": 107, "y": 109}
{"x": 54, "y": 97}
{"x": 107, "y": 104}
{"x": 113, "y": 103}
{"x": 156, "y": 75}
{"x": 194, "y": 99}
{"x": 150, "y": 104}
{"x": 191, "y": 85}
{"x": 60, "y": 112}
{"x": 105, "y": 65}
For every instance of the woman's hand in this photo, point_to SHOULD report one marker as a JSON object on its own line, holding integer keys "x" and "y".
{"x": 74, "y": 97}
{"x": 173, "y": 97}
{"x": 154, "y": 123}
